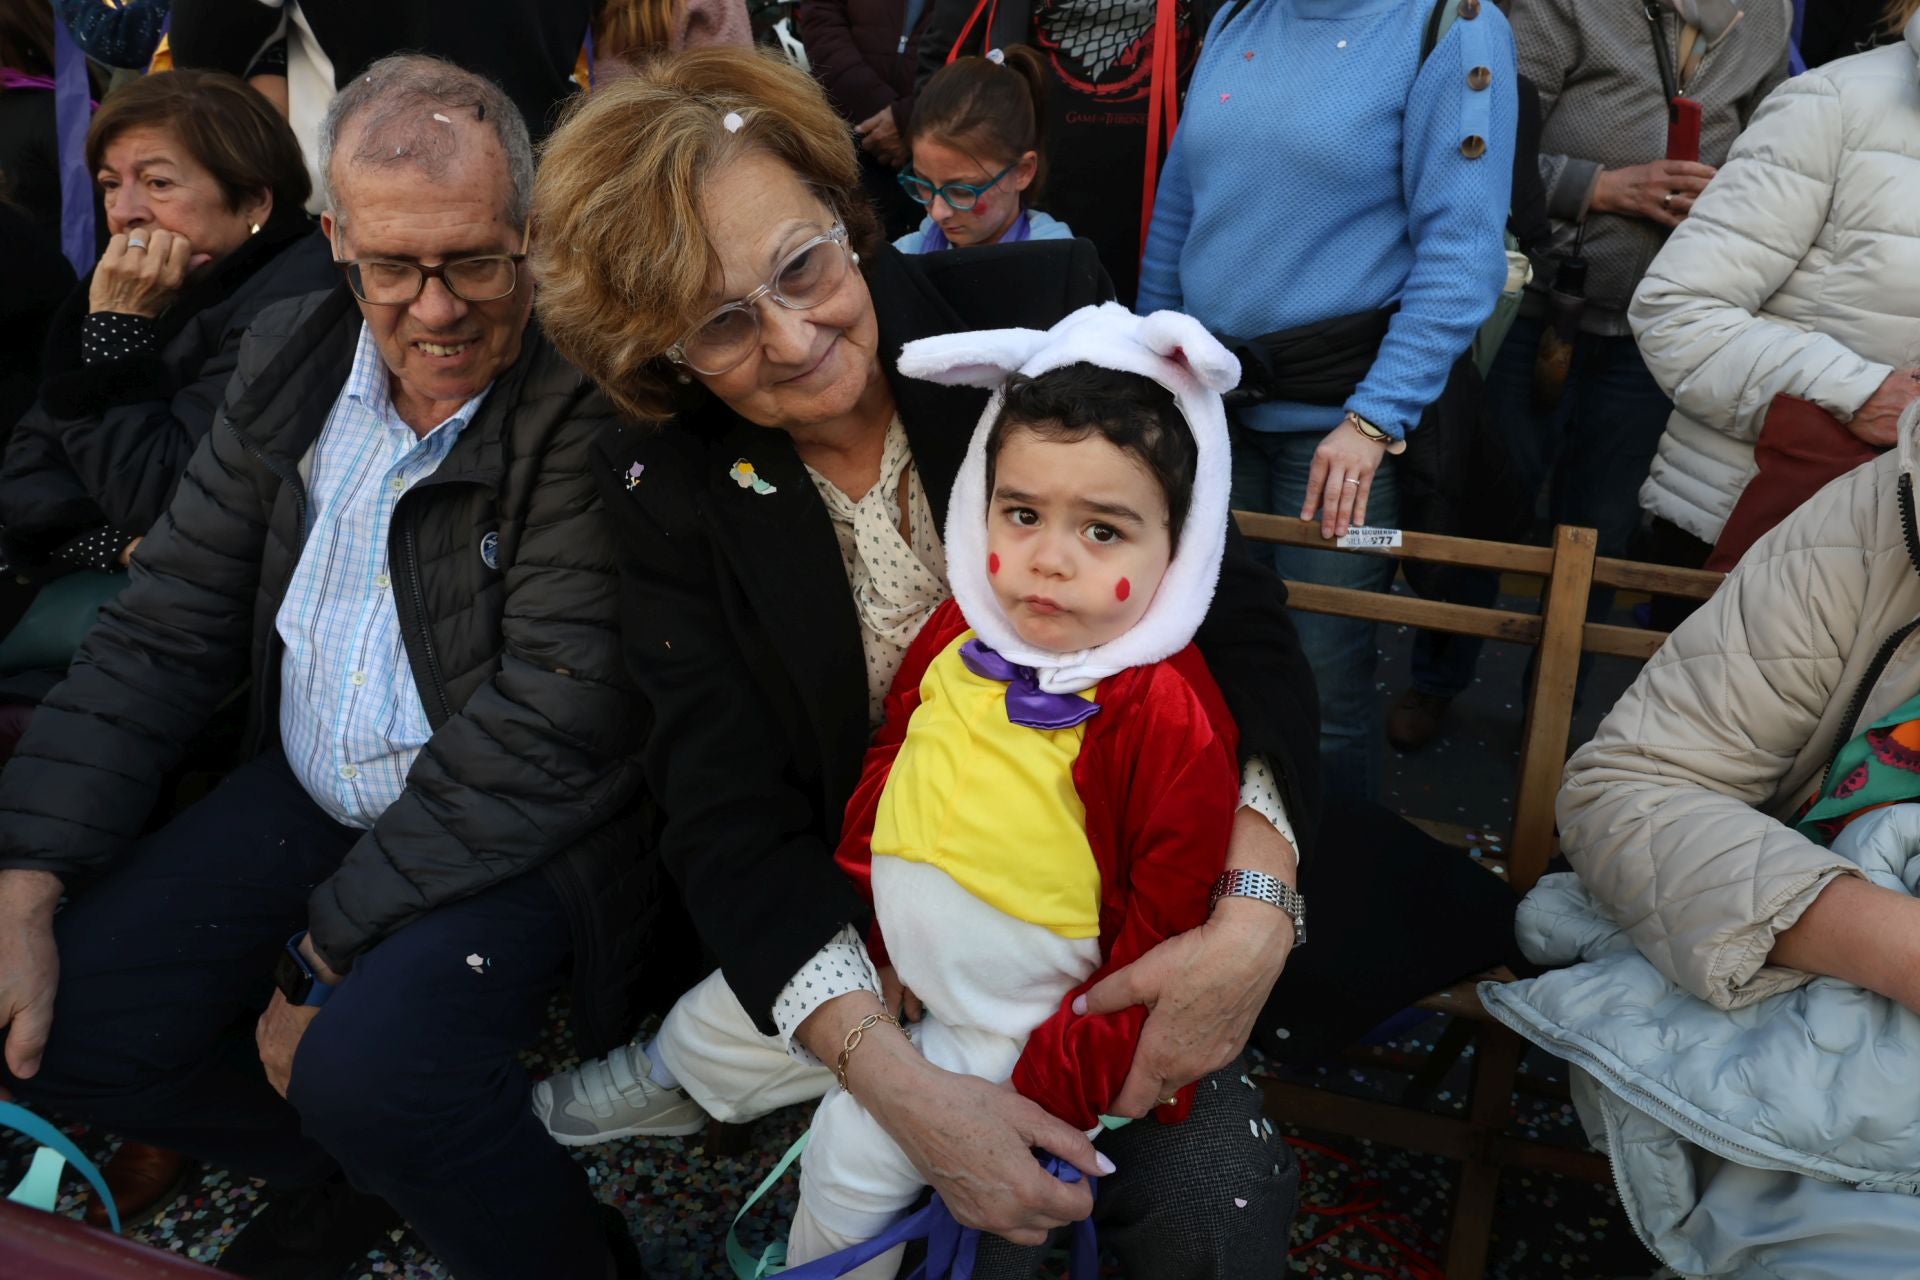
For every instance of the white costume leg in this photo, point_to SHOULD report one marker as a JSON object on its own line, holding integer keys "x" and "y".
{"x": 736, "y": 1074}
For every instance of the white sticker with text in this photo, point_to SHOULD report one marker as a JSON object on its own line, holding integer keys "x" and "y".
{"x": 1366, "y": 538}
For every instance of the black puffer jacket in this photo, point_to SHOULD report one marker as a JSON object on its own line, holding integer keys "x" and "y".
{"x": 533, "y": 760}
{"x": 106, "y": 442}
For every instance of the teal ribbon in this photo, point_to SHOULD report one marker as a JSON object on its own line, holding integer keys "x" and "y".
{"x": 40, "y": 1189}
{"x": 773, "y": 1260}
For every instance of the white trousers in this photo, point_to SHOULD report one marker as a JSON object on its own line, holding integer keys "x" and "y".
{"x": 854, "y": 1179}
{"x": 986, "y": 980}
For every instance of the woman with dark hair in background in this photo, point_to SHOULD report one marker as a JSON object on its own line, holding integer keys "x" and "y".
{"x": 979, "y": 149}
{"x": 203, "y": 187}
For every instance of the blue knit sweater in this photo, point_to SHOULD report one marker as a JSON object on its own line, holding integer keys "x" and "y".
{"x": 1317, "y": 172}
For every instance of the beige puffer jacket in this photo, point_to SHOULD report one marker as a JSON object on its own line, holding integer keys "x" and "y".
{"x": 1796, "y": 272}
{"x": 1674, "y": 815}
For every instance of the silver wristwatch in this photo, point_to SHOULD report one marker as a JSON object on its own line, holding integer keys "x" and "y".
{"x": 1268, "y": 889}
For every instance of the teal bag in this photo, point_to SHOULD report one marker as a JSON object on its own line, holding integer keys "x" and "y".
{"x": 59, "y": 618}
{"x": 40, "y": 1189}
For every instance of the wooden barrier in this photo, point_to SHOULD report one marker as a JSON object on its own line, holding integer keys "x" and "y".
{"x": 1569, "y": 570}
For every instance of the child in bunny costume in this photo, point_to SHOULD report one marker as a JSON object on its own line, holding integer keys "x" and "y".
{"x": 1053, "y": 788}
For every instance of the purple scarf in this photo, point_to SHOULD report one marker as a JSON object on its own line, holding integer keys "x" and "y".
{"x": 933, "y": 239}
{"x": 1027, "y": 703}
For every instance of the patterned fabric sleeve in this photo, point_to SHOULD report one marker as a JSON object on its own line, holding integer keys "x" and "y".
{"x": 1260, "y": 792}
{"x": 836, "y": 969}
{"x": 95, "y": 549}
{"x": 111, "y": 335}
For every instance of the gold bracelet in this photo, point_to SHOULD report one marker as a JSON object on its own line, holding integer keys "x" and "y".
{"x": 854, "y": 1037}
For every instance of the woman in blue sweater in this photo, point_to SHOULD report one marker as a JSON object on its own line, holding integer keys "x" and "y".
{"x": 1323, "y": 170}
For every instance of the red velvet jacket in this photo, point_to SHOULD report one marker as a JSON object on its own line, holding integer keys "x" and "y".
{"x": 1159, "y": 777}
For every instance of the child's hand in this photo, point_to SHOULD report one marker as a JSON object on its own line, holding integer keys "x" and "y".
{"x": 897, "y": 998}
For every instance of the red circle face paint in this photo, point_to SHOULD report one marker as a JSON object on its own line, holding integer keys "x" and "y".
{"x": 1122, "y": 589}
{"x": 993, "y": 562}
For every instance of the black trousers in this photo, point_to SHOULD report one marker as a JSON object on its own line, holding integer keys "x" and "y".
{"x": 406, "y": 1080}
{"x": 1212, "y": 1198}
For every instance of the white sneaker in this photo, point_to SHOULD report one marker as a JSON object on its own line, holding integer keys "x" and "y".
{"x": 610, "y": 1098}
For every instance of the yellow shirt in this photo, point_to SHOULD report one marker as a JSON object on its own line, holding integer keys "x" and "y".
{"x": 991, "y": 803}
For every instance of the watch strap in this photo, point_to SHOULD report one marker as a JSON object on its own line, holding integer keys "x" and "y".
{"x": 295, "y": 977}
{"x": 1272, "y": 890}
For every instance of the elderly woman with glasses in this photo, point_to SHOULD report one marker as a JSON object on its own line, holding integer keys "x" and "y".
{"x": 708, "y": 257}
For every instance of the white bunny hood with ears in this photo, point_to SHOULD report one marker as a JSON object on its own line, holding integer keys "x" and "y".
{"x": 1173, "y": 350}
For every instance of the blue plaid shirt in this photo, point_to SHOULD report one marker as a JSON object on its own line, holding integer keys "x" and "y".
{"x": 351, "y": 719}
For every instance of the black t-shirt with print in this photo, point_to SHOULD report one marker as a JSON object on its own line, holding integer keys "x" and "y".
{"x": 1100, "y": 53}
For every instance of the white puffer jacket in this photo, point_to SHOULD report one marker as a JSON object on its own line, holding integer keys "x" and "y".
{"x": 1798, "y": 271}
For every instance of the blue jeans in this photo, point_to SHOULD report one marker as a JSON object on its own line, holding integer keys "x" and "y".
{"x": 1270, "y": 472}
{"x": 407, "y": 1080}
{"x": 1595, "y": 446}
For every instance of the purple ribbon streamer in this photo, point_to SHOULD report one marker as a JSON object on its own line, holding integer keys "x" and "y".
{"x": 933, "y": 239}
{"x": 1027, "y": 703}
{"x": 13, "y": 79}
{"x": 950, "y": 1246}
{"x": 72, "y": 113}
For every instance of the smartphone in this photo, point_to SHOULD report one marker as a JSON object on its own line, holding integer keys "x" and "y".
{"x": 1683, "y": 130}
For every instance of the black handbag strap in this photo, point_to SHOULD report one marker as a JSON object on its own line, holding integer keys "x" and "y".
{"x": 1669, "y": 86}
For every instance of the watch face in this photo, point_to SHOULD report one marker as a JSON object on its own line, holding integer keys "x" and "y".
{"x": 293, "y": 981}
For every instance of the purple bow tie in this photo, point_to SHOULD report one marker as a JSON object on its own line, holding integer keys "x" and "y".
{"x": 1027, "y": 703}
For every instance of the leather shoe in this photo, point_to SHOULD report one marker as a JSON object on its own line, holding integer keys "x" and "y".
{"x": 142, "y": 1180}
{"x": 1415, "y": 719}
{"x": 311, "y": 1233}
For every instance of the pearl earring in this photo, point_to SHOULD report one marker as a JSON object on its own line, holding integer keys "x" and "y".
{"x": 256, "y": 229}
{"x": 856, "y": 258}
{"x": 682, "y": 378}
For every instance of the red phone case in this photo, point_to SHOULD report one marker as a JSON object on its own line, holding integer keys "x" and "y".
{"x": 1683, "y": 130}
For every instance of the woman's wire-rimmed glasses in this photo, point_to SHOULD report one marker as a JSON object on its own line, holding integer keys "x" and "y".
{"x": 805, "y": 278}
{"x": 484, "y": 277}
{"x": 960, "y": 196}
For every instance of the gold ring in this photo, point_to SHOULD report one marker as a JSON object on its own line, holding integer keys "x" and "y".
{"x": 1351, "y": 480}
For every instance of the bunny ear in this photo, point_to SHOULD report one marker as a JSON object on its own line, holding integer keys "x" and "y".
{"x": 1183, "y": 339}
{"x": 982, "y": 358}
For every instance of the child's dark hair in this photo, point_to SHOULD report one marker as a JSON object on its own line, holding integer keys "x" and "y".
{"x": 979, "y": 105}
{"x": 1132, "y": 413}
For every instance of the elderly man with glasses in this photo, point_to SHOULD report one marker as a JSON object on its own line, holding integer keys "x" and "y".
{"x": 320, "y": 974}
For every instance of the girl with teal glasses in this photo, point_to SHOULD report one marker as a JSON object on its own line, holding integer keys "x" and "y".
{"x": 979, "y": 154}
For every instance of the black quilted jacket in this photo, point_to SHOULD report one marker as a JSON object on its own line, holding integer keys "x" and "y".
{"x": 106, "y": 442}
{"x": 533, "y": 760}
